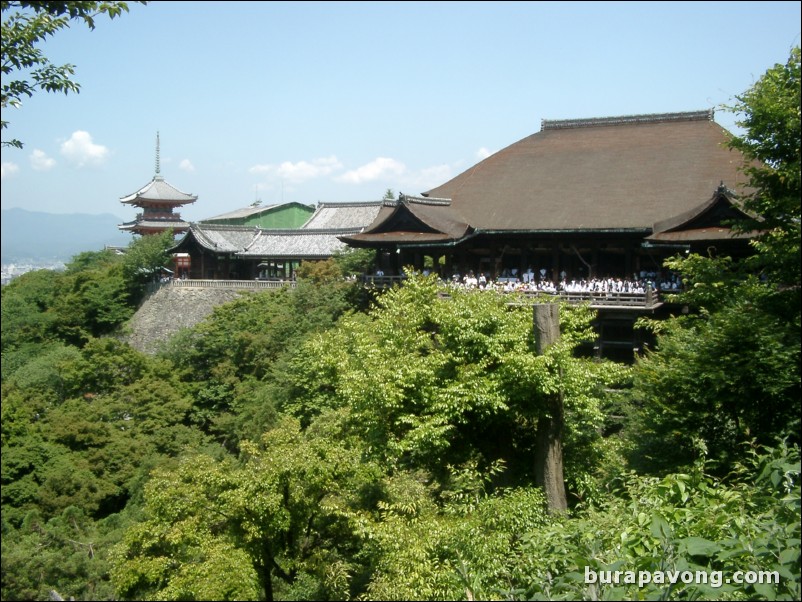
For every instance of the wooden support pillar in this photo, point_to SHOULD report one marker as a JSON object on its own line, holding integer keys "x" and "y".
{"x": 549, "y": 445}
{"x": 628, "y": 269}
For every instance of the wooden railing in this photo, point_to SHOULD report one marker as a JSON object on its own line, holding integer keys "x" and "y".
{"x": 648, "y": 299}
{"x": 611, "y": 299}
{"x": 237, "y": 284}
{"x": 254, "y": 284}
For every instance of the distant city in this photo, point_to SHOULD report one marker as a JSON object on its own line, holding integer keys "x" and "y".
{"x": 9, "y": 271}
{"x": 34, "y": 240}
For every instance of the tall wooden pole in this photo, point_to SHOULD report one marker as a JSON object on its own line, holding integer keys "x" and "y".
{"x": 549, "y": 449}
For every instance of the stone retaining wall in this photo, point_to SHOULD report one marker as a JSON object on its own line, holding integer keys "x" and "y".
{"x": 169, "y": 309}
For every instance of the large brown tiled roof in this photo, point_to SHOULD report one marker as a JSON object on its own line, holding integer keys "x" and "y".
{"x": 608, "y": 174}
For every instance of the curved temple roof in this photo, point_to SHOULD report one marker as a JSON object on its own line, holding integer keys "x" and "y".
{"x": 317, "y": 238}
{"x": 414, "y": 220}
{"x": 612, "y": 174}
{"x": 709, "y": 221}
{"x": 176, "y": 225}
{"x": 159, "y": 191}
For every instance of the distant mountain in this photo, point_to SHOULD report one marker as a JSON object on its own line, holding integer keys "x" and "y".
{"x": 37, "y": 236}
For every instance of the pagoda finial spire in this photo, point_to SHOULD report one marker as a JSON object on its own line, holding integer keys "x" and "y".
{"x": 158, "y": 166}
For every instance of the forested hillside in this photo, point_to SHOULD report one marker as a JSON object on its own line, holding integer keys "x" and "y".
{"x": 328, "y": 442}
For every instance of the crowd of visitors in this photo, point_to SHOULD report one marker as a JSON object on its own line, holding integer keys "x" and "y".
{"x": 530, "y": 282}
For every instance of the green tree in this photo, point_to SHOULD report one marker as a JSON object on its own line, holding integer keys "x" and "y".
{"x": 355, "y": 262}
{"x": 750, "y": 391}
{"x": 463, "y": 547}
{"x": 91, "y": 260}
{"x": 770, "y": 113}
{"x": 687, "y": 521}
{"x": 81, "y": 431}
{"x": 71, "y": 557}
{"x": 430, "y": 380}
{"x": 235, "y": 363}
{"x": 25, "y": 318}
{"x": 279, "y": 522}
{"x": 93, "y": 298}
{"x": 728, "y": 372}
{"x": 90, "y": 298}
{"x": 327, "y": 270}
{"x": 25, "y": 68}
{"x": 81, "y": 428}
{"x": 144, "y": 258}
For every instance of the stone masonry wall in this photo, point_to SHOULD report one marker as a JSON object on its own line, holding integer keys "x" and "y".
{"x": 169, "y": 309}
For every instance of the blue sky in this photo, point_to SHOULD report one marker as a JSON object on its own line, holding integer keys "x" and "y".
{"x": 339, "y": 101}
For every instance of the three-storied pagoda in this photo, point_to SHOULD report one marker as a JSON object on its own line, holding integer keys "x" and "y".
{"x": 158, "y": 201}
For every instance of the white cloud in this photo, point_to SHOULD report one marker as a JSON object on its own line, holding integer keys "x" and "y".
{"x": 40, "y": 161}
{"x": 418, "y": 182}
{"x": 381, "y": 167}
{"x": 300, "y": 171}
{"x": 8, "y": 169}
{"x": 186, "y": 165}
{"x": 433, "y": 176}
{"x": 81, "y": 151}
{"x": 483, "y": 153}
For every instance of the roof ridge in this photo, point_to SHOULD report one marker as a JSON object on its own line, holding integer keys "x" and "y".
{"x": 235, "y": 227}
{"x": 422, "y": 200}
{"x": 328, "y": 204}
{"x": 557, "y": 124}
{"x": 307, "y": 231}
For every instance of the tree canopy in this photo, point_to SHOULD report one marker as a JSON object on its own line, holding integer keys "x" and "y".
{"x": 726, "y": 375}
{"x": 770, "y": 114}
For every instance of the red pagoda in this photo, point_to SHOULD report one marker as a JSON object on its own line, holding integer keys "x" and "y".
{"x": 158, "y": 201}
